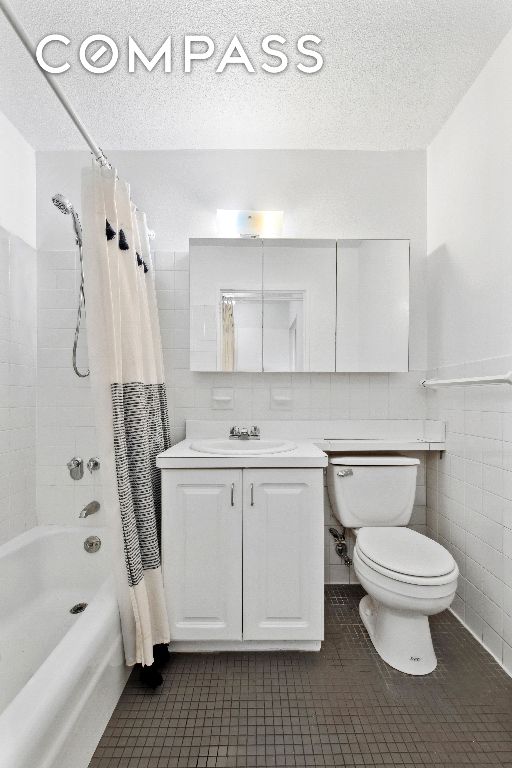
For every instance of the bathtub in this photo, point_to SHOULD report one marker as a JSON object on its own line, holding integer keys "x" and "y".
{"x": 61, "y": 674}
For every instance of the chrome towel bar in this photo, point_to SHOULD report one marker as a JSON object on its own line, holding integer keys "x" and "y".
{"x": 478, "y": 381}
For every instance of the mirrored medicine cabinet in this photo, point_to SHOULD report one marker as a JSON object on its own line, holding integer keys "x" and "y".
{"x": 299, "y": 305}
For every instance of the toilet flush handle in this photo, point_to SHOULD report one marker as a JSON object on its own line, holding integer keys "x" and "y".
{"x": 345, "y": 472}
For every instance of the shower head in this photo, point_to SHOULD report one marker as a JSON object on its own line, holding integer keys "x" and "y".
{"x": 65, "y": 206}
{"x": 62, "y": 203}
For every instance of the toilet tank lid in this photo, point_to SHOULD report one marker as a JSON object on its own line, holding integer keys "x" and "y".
{"x": 405, "y": 551}
{"x": 374, "y": 461}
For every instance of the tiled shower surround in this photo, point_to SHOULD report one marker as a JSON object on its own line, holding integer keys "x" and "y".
{"x": 18, "y": 271}
{"x": 65, "y": 413}
{"x": 65, "y": 416}
{"x": 469, "y": 492}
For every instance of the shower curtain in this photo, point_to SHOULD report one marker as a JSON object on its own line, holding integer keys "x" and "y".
{"x": 125, "y": 360}
{"x": 228, "y": 335}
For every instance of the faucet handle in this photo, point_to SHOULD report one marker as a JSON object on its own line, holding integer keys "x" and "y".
{"x": 76, "y": 468}
{"x": 234, "y": 431}
{"x": 255, "y": 431}
{"x": 93, "y": 464}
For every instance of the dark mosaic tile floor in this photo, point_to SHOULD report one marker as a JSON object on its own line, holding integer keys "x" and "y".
{"x": 340, "y": 707}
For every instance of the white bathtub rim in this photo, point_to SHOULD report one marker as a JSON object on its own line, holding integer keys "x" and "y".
{"x": 41, "y": 532}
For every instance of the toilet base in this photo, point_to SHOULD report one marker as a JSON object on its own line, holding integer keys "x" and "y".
{"x": 401, "y": 638}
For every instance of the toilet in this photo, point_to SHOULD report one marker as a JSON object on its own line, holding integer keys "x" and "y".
{"x": 407, "y": 576}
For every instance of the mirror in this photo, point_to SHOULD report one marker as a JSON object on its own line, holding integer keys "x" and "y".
{"x": 372, "y": 332}
{"x": 299, "y": 305}
{"x": 226, "y": 311}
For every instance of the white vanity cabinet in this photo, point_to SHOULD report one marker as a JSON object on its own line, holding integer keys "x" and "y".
{"x": 202, "y": 552}
{"x": 242, "y": 553}
{"x": 283, "y": 554}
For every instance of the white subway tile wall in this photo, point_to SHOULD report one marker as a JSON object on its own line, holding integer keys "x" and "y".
{"x": 18, "y": 333}
{"x": 65, "y": 414}
{"x": 469, "y": 499}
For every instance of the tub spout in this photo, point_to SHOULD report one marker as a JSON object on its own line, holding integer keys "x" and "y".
{"x": 90, "y": 509}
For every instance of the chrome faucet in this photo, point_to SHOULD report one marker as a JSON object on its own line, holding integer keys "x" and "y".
{"x": 244, "y": 433}
{"x": 90, "y": 509}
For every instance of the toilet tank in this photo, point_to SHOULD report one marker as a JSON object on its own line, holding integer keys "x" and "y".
{"x": 367, "y": 491}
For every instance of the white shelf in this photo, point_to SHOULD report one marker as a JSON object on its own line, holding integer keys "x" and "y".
{"x": 366, "y": 446}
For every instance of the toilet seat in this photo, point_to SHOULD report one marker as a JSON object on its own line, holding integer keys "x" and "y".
{"x": 404, "y": 555}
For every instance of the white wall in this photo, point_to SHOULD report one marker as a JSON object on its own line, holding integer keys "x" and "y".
{"x": 18, "y": 270}
{"x": 17, "y": 183}
{"x": 469, "y": 492}
{"x": 17, "y": 386}
{"x": 323, "y": 194}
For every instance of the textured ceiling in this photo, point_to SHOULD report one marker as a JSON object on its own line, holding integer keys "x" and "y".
{"x": 394, "y": 70}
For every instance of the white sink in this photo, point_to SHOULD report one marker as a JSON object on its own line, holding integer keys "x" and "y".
{"x": 242, "y": 447}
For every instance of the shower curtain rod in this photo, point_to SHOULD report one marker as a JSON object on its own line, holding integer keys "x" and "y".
{"x": 96, "y": 150}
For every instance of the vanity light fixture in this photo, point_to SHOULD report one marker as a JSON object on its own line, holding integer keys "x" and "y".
{"x": 249, "y": 224}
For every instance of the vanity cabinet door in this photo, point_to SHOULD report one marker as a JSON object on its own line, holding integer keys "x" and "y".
{"x": 202, "y": 553}
{"x": 283, "y": 554}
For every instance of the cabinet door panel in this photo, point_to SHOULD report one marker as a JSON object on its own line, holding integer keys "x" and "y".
{"x": 283, "y": 554}
{"x": 202, "y": 553}
{"x": 372, "y": 331}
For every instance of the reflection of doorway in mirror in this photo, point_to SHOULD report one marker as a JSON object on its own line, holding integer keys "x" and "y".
{"x": 248, "y": 318}
{"x": 240, "y": 330}
{"x": 283, "y": 331}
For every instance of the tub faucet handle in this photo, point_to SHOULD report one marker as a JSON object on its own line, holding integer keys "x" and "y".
{"x": 76, "y": 467}
{"x": 93, "y": 464}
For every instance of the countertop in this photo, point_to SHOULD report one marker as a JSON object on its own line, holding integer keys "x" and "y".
{"x": 180, "y": 456}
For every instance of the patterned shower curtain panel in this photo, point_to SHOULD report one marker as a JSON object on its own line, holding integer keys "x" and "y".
{"x": 125, "y": 359}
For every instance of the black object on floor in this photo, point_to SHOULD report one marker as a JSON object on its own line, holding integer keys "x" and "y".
{"x": 161, "y": 655}
{"x": 151, "y": 675}
{"x": 341, "y": 707}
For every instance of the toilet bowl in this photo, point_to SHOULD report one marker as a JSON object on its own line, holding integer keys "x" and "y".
{"x": 407, "y": 576}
